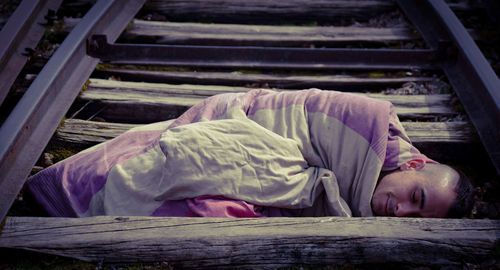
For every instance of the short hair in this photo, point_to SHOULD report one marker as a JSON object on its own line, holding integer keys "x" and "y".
{"x": 462, "y": 206}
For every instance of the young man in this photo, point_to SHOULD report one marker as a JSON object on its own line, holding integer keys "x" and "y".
{"x": 254, "y": 154}
{"x": 422, "y": 190}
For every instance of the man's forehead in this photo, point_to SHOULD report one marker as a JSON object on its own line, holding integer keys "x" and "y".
{"x": 446, "y": 182}
{"x": 440, "y": 195}
{"x": 441, "y": 176}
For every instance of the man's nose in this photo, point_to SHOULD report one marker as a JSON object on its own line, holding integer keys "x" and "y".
{"x": 406, "y": 209}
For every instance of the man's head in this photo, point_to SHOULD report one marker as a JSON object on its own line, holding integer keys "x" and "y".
{"x": 422, "y": 190}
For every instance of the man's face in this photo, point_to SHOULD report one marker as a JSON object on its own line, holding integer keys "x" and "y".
{"x": 406, "y": 193}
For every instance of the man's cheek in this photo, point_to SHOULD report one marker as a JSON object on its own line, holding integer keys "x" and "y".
{"x": 375, "y": 203}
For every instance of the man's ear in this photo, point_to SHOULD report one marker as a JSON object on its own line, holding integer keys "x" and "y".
{"x": 415, "y": 164}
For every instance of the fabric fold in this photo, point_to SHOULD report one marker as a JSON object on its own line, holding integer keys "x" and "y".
{"x": 305, "y": 153}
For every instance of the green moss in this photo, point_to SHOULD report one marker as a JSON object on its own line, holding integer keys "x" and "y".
{"x": 101, "y": 66}
{"x": 35, "y": 170}
{"x": 61, "y": 123}
{"x": 311, "y": 24}
{"x": 62, "y": 153}
{"x": 141, "y": 67}
{"x": 85, "y": 86}
{"x": 129, "y": 25}
{"x": 249, "y": 71}
{"x": 376, "y": 75}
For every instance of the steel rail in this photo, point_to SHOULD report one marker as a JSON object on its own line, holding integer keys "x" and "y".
{"x": 29, "y": 127}
{"x": 23, "y": 30}
{"x": 262, "y": 57}
{"x": 468, "y": 71}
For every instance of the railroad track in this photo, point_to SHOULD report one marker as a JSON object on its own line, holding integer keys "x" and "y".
{"x": 160, "y": 69}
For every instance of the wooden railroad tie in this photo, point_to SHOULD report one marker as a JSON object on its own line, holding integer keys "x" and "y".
{"x": 164, "y": 93}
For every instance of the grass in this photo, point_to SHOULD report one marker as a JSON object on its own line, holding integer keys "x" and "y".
{"x": 17, "y": 259}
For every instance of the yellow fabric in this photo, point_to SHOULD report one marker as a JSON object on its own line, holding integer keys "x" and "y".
{"x": 239, "y": 159}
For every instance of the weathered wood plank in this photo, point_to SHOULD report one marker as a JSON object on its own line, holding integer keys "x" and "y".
{"x": 259, "y": 35}
{"x": 439, "y": 132}
{"x": 256, "y": 35}
{"x": 150, "y": 102}
{"x": 453, "y": 4}
{"x": 443, "y": 141}
{"x": 263, "y": 35}
{"x": 338, "y": 82}
{"x": 262, "y": 11}
{"x": 464, "y": 5}
{"x": 265, "y": 243}
{"x": 87, "y": 133}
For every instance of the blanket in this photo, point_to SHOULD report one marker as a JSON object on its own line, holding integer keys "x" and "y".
{"x": 254, "y": 154}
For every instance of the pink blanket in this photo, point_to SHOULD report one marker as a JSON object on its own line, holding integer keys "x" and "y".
{"x": 255, "y": 154}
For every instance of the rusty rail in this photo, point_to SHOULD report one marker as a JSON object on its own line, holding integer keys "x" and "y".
{"x": 29, "y": 127}
{"x": 262, "y": 57}
{"x": 23, "y": 30}
{"x": 451, "y": 49}
{"x": 470, "y": 74}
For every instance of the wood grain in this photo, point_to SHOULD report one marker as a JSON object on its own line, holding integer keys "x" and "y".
{"x": 87, "y": 133}
{"x": 263, "y": 35}
{"x": 215, "y": 34}
{"x": 263, "y": 243}
{"x": 151, "y": 102}
{"x": 337, "y": 82}
{"x": 269, "y": 12}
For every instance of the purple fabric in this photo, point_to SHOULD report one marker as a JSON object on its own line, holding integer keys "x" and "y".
{"x": 67, "y": 188}
{"x": 83, "y": 175}
{"x": 352, "y": 110}
{"x": 208, "y": 206}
